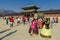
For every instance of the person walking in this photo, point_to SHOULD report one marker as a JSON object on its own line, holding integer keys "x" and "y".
{"x": 24, "y": 19}
{"x": 7, "y": 19}
{"x": 18, "y": 21}
{"x": 11, "y": 21}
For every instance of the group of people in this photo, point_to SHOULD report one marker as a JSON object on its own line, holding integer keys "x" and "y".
{"x": 36, "y": 24}
{"x": 43, "y": 24}
{"x": 20, "y": 20}
{"x": 11, "y": 20}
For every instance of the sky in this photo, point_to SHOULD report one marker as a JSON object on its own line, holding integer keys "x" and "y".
{"x": 16, "y": 5}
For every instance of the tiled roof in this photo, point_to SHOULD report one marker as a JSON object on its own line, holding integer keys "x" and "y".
{"x": 50, "y": 11}
{"x": 30, "y": 7}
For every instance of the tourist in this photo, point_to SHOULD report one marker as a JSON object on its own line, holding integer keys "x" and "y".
{"x": 4, "y": 18}
{"x": 11, "y": 21}
{"x": 59, "y": 19}
{"x": 24, "y": 19}
{"x": 56, "y": 19}
{"x": 21, "y": 20}
{"x": 7, "y": 19}
{"x": 43, "y": 21}
{"x": 30, "y": 19}
{"x": 51, "y": 22}
{"x": 40, "y": 24}
{"x": 47, "y": 23}
{"x": 46, "y": 31}
{"x": 18, "y": 22}
{"x": 33, "y": 28}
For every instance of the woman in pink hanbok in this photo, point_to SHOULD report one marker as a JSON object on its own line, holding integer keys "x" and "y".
{"x": 33, "y": 28}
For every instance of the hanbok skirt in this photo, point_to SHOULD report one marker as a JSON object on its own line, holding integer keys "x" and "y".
{"x": 35, "y": 30}
{"x": 45, "y": 32}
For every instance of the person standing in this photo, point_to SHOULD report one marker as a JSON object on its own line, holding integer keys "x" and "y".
{"x": 46, "y": 31}
{"x": 24, "y": 19}
{"x": 43, "y": 21}
{"x": 40, "y": 24}
{"x": 59, "y": 19}
{"x": 33, "y": 28}
{"x": 18, "y": 22}
{"x": 11, "y": 21}
{"x": 30, "y": 19}
{"x": 7, "y": 19}
{"x": 56, "y": 19}
{"x": 51, "y": 22}
{"x": 4, "y": 18}
{"x": 47, "y": 23}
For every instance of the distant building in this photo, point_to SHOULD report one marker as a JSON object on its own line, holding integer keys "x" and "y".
{"x": 31, "y": 10}
{"x": 51, "y": 13}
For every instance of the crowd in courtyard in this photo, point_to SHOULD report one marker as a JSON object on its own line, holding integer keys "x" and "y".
{"x": 37, "y": 22}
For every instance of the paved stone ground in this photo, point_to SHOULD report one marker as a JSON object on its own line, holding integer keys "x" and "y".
{"x": 22, "y": 32}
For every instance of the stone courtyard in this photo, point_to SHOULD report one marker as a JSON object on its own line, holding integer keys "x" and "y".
{"x": 20, "y": 32}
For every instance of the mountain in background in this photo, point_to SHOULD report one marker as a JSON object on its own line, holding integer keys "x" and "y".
{"x": 6, "y": 12}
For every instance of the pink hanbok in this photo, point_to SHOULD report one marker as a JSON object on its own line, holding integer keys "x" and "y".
{"x": 33, "y": 27}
